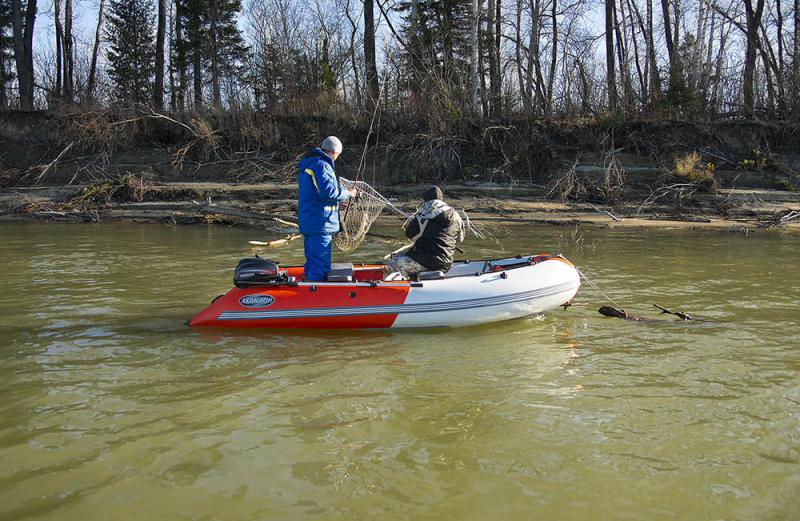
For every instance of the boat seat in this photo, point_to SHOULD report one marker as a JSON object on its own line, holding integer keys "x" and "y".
{"x": 341, "y": 272}
{"x": 430, "y": 275}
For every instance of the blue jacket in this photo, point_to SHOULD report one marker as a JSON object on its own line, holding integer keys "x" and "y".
{"x": 318, "y": 194}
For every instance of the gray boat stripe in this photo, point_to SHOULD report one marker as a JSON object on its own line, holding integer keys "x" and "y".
{"x": 425, "y": 307}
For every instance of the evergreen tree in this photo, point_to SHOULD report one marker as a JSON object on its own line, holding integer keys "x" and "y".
{"x": 227, "y": 50}
{"x": 210, "y": 43}
{"x": 131, "y": 55}
{"x": 437, "y": 33}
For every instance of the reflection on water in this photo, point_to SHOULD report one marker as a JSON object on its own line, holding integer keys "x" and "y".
{"x": 108, "y": 403}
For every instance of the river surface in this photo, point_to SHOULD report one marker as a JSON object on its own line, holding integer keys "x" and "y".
{"x": 111, "y": 408}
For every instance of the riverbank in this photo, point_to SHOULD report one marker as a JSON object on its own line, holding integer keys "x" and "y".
{"x": 238, "y": 168}
{"x": 741, "y": 210}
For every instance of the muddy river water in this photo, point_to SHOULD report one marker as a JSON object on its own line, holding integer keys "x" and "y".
{"x": 111, "y": 408}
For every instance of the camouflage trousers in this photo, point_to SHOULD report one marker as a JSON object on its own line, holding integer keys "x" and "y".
{"x": 403, "y": 264}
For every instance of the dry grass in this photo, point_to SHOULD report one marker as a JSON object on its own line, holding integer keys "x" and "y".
{"x": 689, "y": 168}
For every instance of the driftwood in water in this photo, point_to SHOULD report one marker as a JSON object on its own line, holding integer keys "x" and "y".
{"x": 679, "y": 314}
{"x": 277, "y": 242}
{"x": 610, "y": 311}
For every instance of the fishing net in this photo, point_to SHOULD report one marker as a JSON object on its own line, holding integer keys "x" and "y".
{"x": 362, "y": 210}
{"x": 359, "y": 214}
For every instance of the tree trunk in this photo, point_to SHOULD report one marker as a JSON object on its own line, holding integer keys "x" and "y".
{"x": 180, "y": 56}
{"x": 473, "y": 56}
{"x": 723, "y": 40}
{"x": 796, "y": 62}
{"x": 216, "y": 94}
{"x": 69, "y": 54}
{"x": 497, "y": 84}
{"x": 642, "y": 75}
{"x": 59, "y": 46}
{"x": 417, "y": 63}
{"x": 490, "y": 27}
{"x": 526, "y": 99}
{"x": 197, "y": 80}
{"x": 611, "y": 82}
{"x": 23, "y": 50}
{"x": 533, "y": 57}
{"x": 655, "y": 77}
{"x": 95, "y": 52}
{"x": 753, "y": 23}
{"x": 3, "y": 79}
{"x": 369, "y": 54}
{"x": 623, "y": 56}
{"x": 553, "y": 54}
{"x": 705, "y": 70}
{"x": 353, "y": 60}
{"x": 667, "y": 31}
{"x": 534, "y": 65}
{"x": 158, "y": 86}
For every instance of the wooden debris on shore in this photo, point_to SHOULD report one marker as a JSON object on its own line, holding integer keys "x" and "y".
{"x": 600, "y": 210}
{"x": 235, "y": 212}
{"x": 783, "y": 220}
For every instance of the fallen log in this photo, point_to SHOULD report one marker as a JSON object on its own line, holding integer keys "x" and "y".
{"x": 610, "y": 311}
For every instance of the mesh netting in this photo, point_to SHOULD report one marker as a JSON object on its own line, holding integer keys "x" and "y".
{"x": 365, "y": 207}
{"x": 360, "y": 213}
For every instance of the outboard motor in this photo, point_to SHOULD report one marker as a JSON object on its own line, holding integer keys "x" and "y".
{"x": 255, "y": 271}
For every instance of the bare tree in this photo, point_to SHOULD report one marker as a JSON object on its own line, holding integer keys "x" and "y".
{"x": 23, "y": 49}
{"x": 95, "y": 51}
{"x": 753, "y": 17}
{"x": 69, "y": 53}
{"x": 553, "y": 56}
{"x": 369, "y": 53}
{"x": 59, "y": 42}
{"x": 611, "y": 81}
{"x": 796, "y": 61}
{"x": 474, "y": 38}
{"x": 158, "y": 86}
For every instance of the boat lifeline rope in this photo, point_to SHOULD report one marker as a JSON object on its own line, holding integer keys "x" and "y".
{"x": 597, "y": 288}
{"x": 619, "y": 311}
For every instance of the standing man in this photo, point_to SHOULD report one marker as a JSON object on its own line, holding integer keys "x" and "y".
{"x": 318, "y": 198}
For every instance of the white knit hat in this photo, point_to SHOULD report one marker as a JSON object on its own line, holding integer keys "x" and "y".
{"x": 331, "y": 144}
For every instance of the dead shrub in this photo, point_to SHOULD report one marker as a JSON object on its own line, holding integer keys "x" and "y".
{"x": 613, "y": 186}
{"x": 568, "y": 186}
{"x": 98, "y": 131}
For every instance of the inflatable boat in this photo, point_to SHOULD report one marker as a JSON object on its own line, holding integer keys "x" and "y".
{"x": 361, "y": 296}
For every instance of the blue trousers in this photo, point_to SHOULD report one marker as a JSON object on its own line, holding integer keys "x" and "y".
{"x": 317, "y": 249}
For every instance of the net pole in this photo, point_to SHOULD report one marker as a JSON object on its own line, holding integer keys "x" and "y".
{"x": 361, "y": 163}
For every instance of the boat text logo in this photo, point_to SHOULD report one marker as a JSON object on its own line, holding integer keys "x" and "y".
{"x": 256, "y": 301}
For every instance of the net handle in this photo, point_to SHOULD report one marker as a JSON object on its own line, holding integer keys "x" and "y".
{"x": 362, "y": 162}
